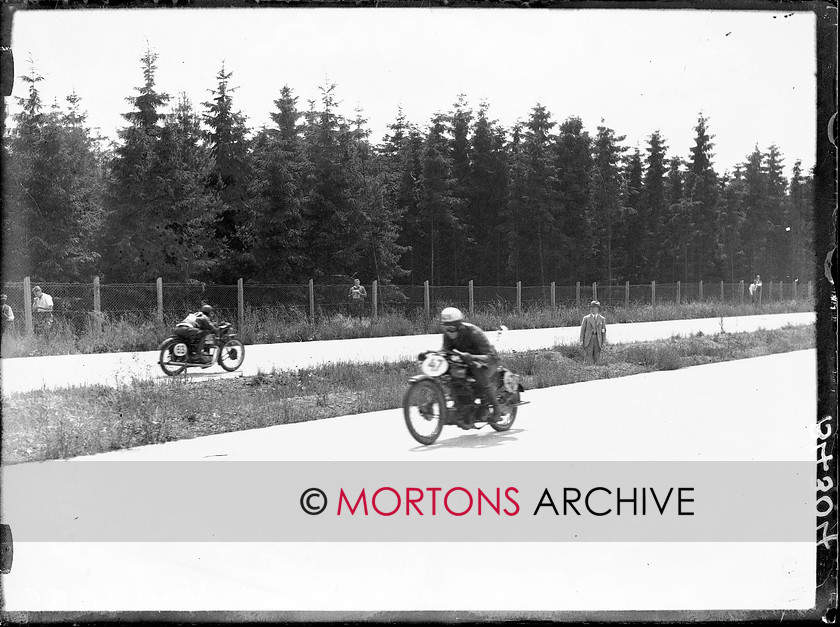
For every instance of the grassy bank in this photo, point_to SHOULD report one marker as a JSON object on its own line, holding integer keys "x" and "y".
{"x": 133, "y": 333}
{"x": 67, "y": 423}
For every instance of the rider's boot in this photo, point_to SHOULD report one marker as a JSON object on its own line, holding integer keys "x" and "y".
{"x": 495, "y": 409}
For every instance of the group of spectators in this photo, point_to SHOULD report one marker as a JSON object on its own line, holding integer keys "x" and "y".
{"x": 42, "y": 308}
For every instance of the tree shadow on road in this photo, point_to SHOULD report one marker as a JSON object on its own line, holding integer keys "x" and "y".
{"x": 472, "y": 440}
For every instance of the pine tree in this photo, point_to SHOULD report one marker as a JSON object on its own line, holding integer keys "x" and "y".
{"x": 159, "y": 209}
{"x": 330, "y": 210}
{"x": 513, "y": 218}
{"x": 277, "y": 232}
{"x": 779, "y": 254}
{"x": 229, "y": 177}
{"x": 637, "y": 226}
{"x": 701, "y": 192}
{"x": 540, "y": 201}
{"x": 487, "y": 194}
{"x": 605, "y": 201}
{"x": 402, "y": 153}
{"x": 52, "y": 191}
{"x": 731, "y": 219}
{"x": 465, "y": 224}
{"x": 655, "y": 201}
{"x": 573, "y": 165}
{"x": 435, "y": 204}
{"x": 756, "y": 232}
{"x": 801, "y": 219}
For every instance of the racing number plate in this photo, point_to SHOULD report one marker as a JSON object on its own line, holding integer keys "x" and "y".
{"x": 434, "y": 365}
{"x": 180, "y": 349}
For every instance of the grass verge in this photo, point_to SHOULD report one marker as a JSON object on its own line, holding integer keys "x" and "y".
{"x": 58, "y": 424}
{"x": 268, "y": 326}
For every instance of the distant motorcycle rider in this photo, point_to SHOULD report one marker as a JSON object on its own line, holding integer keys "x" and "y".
{"x": 471, "y": 344}
{"x": 193, "y": 329}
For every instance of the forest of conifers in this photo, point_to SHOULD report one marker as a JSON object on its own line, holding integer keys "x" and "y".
{"x": 191, "y": 193}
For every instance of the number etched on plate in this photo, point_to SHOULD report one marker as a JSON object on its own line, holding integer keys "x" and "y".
{"x": 434, "y": 365}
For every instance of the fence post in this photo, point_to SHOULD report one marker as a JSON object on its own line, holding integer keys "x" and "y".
{"x": 374, "y": 299}
{"x": 770, "y": 292}
{"x": 627, "y": 293}
{"x": 240, "y": 305}
{"x": 577, "y": 293}
{"x": 472, "y": 299}
{"x": 810, "y": 290}
{"x": 595, "y": 291}
{"x": 553, "y": 296}
{"x": 700, "y": 292}
{"x": 795, "y": 290}
{"x": 97, "y": 306}
{"x": 312, "y": 301}
{"x": 27, "y": 304}
{"x": 741, "y": 290}
{"x": 519, "y": 297}
{"x": 722, "y": 296}
{"x": 678, "y": 292}
{"x": 160, "y": 299}
{"x": 426, "y": 304}
{"x": 653, "y": 293}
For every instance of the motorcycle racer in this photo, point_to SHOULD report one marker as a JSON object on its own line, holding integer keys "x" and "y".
{"x": 193, "y": 329}
{"x": 471, "y": 344}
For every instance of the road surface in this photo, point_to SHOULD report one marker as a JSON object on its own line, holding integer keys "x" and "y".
{"x": 31, "y": 373}
{"x": 751, "y": 410}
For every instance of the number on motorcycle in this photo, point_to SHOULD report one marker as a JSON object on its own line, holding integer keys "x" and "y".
{"x": 180, "y": 349}
{"x": 434, "y": 365}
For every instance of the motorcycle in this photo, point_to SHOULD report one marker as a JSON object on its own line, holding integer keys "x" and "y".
{"x": 447, "y": 394}
{"x": 222, "y": 348}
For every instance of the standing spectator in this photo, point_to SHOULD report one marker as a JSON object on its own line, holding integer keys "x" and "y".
{"x": 42, "y": 307}
{"x": 593, "y": 334}
{"x": 357, "y": 295}
{"x": 8, "y": 315}
{"x": 755, "y": 290}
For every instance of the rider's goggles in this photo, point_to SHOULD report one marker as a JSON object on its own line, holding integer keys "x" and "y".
{"x": 448, "y": 328}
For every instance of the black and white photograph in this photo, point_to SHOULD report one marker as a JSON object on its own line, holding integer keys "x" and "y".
{"x": 426, "y": 311}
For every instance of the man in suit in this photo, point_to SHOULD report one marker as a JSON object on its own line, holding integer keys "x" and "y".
{"x": 593, "y": 333}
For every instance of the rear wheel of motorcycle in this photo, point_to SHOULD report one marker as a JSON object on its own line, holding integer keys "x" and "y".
{"x": 170, "y": 363}
{"x": 508, "y": 414}
{"x": 424, "y": 407}
{"x": 231, "y": 355}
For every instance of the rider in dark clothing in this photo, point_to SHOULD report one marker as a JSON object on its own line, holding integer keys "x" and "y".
{"x": 475, "y": 349}
{"x": 193, "y": 329}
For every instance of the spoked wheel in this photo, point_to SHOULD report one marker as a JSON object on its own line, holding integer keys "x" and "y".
{"x": 232, "y": 355}
{"x": 424, "y": 407}
{"x": 173, "y": 357}
{"x": 508, "y": 414}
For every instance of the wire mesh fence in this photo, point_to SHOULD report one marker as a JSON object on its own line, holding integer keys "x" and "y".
{"x": 81, "y": 304}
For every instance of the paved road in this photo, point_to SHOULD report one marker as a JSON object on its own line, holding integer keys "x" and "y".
{"x": 31, "y": 373}
{"x": 758, "y": 409}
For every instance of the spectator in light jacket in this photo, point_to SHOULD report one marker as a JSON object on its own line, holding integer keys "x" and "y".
{"x": 8, "y": 315}
{"x": 593, "y": 334}
{"x": 42, "y": 308}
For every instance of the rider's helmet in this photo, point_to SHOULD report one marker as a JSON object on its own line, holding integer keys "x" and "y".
{"x": 207, "y": 310}
{"x": 450, "y": 319}
{"x": 450, "y": 315}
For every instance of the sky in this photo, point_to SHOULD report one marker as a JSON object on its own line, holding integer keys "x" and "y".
{"x": 751, "y": 73}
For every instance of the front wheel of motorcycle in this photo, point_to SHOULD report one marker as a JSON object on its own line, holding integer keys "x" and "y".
{"x": 424, "y": 407}
{"x": 508, "y": 414}
{"x": 170, "y": 363}
{"x": 231, "y": 355}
